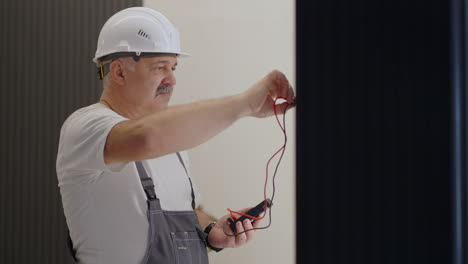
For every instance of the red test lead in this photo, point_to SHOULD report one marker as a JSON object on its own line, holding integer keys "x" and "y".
{"x": 253, "y": 214}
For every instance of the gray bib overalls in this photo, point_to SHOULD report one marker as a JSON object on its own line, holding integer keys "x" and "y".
{"x": 174, "y": 237}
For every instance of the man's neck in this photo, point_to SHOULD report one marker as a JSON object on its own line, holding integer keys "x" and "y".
{"x": 119, "y": 105}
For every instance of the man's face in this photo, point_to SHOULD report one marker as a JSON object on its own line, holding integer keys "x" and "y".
{"x": 151, "y": 83}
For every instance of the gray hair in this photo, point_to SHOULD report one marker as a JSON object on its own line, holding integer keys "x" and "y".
{"x": 128, "y": 63}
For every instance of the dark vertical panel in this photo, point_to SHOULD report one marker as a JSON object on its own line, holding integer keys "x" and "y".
{"x": 46, "y": 74}
{"x": 373, "y": 142}
{"x": 459, "y": 60}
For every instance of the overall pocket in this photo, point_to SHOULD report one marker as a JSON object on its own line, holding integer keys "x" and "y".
{"x": 188, "y": 248}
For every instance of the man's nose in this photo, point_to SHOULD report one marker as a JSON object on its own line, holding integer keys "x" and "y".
{"x": 170, "y": 79}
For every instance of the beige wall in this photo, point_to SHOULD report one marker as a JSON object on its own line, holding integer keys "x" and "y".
{"x": 233, "y": 44}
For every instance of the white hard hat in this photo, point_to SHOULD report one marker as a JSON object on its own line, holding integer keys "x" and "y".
{"x": 137, "y": 31}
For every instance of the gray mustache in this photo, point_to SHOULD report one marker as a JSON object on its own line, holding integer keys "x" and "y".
{"x": 164, "y": 89}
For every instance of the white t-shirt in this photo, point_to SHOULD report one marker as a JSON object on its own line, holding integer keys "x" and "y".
{"x": 105, "y": 205}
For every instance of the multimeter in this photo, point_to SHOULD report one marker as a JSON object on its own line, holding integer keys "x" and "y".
{"x": 255, "y": 212}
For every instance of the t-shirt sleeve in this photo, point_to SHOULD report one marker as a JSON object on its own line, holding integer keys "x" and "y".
{"x": 83, "y": 138}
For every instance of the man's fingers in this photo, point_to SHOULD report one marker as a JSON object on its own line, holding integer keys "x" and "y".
{"x": 241, "y": 238}
{"x": 291, "y": 96}
{"x": 281, "y": 107}
{"x": 248, "y": 226}
{"x": 272, "y": 83}
{"x": 280, "y": 84}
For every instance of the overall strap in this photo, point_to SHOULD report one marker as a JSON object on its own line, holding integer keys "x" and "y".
{"x": 146, "y": 182}
{"x": 190, "y": 180}
{"x": 148, "y": 185}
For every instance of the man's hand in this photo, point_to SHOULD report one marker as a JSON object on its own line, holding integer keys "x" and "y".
{"x": 261, "y": 96}
{"x": 219, "y": 239}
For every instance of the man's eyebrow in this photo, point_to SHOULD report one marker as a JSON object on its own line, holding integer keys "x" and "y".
{"x": 161, "y": 62}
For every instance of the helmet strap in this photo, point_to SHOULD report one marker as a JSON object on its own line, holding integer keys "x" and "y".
{"x": 102, "y": 70}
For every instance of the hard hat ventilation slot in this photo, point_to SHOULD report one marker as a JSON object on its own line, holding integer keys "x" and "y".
{"x": 143, "y": 34}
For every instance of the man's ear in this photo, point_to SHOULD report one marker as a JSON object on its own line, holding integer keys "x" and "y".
{"x": 116, "y": 70}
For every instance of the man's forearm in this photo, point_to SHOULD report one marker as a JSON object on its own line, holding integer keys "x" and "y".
{"x": 186, "y": 126}
{"x": 173, "y": 129}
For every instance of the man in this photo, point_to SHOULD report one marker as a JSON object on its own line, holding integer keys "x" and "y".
{"x": 122, "y": 169}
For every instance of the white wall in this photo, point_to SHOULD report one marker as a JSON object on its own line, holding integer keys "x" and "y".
{"x": 233, "y": 44}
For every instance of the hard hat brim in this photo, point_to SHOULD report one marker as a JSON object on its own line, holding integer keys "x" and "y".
{"x": 116, "y": 55}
